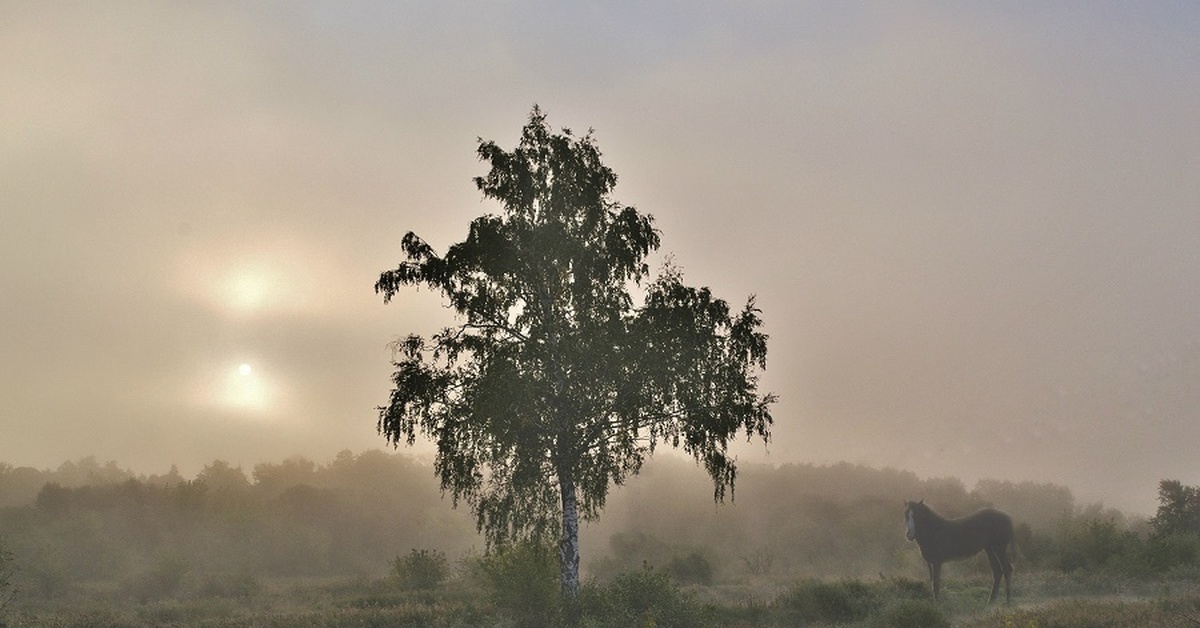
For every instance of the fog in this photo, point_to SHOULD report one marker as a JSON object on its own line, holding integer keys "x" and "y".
{"x": 972, "y": 229}
{"x": 166, "y": 535}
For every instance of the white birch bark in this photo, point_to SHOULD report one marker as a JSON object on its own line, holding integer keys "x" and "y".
{"x": 568, "y": 549}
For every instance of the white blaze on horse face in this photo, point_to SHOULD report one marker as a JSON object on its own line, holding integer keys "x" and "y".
{"x": 912, "y": 526}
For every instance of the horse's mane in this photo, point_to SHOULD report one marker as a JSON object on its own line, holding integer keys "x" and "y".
{"x": 921, "y": 507}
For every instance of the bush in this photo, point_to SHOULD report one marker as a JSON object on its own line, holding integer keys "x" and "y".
{"x": 1100, "y": 544}
{"x": 691, "y": 569}
{"x": 645, "y": 597}
{"x": 911, "y": 614}
{"x": 421, "y": 569}
{"x": 522, "y": 580}
{"x": 160, "y": 581}
{"x": 44, "y": 574}
{"x": 819, "y": 601}
{"x": 1171, "y": 551}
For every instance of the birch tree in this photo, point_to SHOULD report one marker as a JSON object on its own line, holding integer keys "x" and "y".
{"x": 566, "y": 363}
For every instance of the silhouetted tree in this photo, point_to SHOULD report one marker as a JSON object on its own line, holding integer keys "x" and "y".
{"x": 223, "y": 479}
{"x": 553, "y": 384}
{"x": 274, "y": 478}
{"x": 1178, "y": 509}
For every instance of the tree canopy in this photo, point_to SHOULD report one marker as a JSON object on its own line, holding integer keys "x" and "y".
{"x": 1178, "y": 509}
{"x": 556, "y": 381}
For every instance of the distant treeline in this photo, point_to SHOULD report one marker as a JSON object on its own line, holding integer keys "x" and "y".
{"x": 356, "y": 514}
{"x": 810, "y": 520}
{"x": 353, "y": 516}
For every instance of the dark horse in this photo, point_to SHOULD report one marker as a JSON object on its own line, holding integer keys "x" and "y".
{"x": 942, "y": 539}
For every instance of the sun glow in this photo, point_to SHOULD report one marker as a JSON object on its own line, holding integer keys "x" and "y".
{"x": 244, "y": 389}
{"x": 248, "y": 289}
{"x": 251, "y": 280}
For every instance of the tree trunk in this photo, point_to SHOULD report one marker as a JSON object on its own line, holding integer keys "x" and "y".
{"x": 568, "y": 548}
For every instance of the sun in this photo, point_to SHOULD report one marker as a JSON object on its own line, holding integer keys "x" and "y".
{"x": 245, "y": 389}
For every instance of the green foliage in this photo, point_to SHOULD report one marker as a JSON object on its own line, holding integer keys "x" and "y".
{"x": 554, "y": 384}
{"x": 1178, "y": 509}
{"x": 522, "y": 582}
{"x": 898, "y": 602}
{"x": 421, "y": 569}
{"x": 161, "y": 580}
{"x": 821, "y": 601}
{"x": 43, "y": 573}
{"x": 1165, "y": 552}
{"x": 1101, "y": 544}
{"x": 1037, "y": 548}
{"x": 911, "y": 614}
{"x": 691, "y": 568}
{"x": 645, "y": 597}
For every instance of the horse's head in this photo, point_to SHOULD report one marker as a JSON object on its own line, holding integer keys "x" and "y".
{"x": 913, "y": 510}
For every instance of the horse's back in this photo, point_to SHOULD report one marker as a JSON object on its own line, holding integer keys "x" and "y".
{"x": 966, "y": 536}
{"x": 993, "y": 526}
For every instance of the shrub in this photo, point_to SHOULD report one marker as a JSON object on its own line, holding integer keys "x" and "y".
{"x": 1170, "y": 551}
{"x": 819, "y": 601}
{"x": 911, "y": 614}
{"x": 161, "y": 580}
{"x": 759, "y": 562}
{"x": 522, "y": 580}
{"x": 44, "y": 574}
{"x": 421, "y": 569}
{"x": 1099, "y": 544}
{"x": 645, "y": 597}
{"x": 692, "y": 568}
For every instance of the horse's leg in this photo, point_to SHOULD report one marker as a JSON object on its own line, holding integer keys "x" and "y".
{"x": 935, "y": 574}
{"x": 1006, "y": 564}
{"x": 931, "y": 585}
{"x": 994, "y": 560}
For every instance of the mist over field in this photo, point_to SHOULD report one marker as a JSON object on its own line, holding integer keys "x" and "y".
{"x": 368, "y": 537}
{"x": 356, "y": 513}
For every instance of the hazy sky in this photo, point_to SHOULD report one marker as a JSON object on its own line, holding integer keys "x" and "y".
{"x": 974, "y": 228}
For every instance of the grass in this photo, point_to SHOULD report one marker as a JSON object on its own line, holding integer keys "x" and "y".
{"x": 1041, "y": 600}
{"x": 1091, "y": 613}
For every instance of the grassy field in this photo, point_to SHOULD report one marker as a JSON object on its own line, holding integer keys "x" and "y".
{"x": 645, "y": 598}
